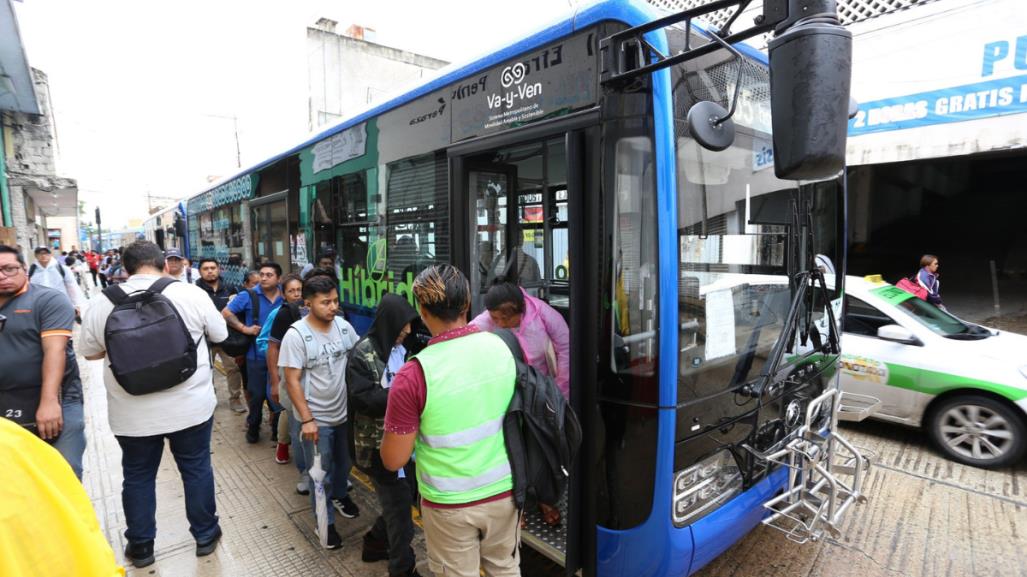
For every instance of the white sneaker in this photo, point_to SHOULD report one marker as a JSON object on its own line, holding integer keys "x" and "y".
{"x": 303, "y": 487}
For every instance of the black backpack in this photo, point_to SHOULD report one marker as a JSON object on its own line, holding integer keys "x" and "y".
{"x": 238, "y": 344}
{"x": 34, "y": 268}
{"x": 542, "y": 433}
{"x": 148, "y": 345}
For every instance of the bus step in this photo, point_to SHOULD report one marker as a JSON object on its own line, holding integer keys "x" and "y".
{"x": 826, "y": 474}
{"x": 853, "y": 407}
{"x": 548, "y": 540}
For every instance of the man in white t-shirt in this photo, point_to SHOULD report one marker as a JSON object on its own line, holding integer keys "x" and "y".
{"x": 314, "y": 355}
{"x": 50, "y": 272}
{"x": 182, "y": 414}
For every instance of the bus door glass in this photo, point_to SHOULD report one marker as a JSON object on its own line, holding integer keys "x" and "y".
{"x": 270, "y": 230}
{"x": 489, "y": 188}
{"x": 518, "y": 199}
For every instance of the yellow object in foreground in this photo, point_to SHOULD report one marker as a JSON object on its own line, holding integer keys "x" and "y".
{"x": 47, "y": 524}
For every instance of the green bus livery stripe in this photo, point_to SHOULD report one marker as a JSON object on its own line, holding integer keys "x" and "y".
{"x": 936, "y": 383}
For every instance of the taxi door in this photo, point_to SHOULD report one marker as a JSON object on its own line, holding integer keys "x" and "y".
{"x": 871, "y": 366}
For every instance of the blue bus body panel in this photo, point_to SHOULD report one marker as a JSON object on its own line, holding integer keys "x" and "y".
{"x": 664, "y": 550}
{"x": 716, "y": 532}
{"x": 656, "y": 547}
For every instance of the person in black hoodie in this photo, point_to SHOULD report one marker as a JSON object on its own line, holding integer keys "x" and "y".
{"x": 211, "y": 282}
{"x": 373, "y": 363}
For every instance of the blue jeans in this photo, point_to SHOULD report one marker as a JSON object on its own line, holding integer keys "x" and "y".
{"x": 299, "y": 453}
{"x": 258, "y": 386}
{"x": 333, "y": 443}
{"x": 72, "y": 441}
{"x": 140, "y": 459}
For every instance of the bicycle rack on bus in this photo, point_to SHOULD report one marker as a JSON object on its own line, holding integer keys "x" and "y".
{"x": 826, "y": 474}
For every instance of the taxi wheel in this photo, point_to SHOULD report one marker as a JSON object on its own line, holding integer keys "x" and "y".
{"x": 978, "y": 430}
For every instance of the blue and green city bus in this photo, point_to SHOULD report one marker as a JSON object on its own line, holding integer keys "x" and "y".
{"x": 675, "y": 193}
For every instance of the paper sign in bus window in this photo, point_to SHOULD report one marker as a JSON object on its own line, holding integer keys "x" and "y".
{"x": 720, "y": 324}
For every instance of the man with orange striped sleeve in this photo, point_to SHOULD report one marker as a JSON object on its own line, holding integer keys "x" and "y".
{"x": 40, "y": 387}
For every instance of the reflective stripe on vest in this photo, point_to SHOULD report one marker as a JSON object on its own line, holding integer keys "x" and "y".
{"x": 465, "y": 437}
{"x": 461, "y": 484}
{"x": 461, "y": 451}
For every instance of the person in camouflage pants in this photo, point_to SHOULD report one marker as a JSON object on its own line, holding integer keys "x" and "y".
{"x": 373, "y": 362}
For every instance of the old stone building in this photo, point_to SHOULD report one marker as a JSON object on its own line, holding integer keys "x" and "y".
{"x": 36, "y": 203}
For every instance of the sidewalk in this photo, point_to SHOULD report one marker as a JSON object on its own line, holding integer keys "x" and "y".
{"x": 268, "y": 528}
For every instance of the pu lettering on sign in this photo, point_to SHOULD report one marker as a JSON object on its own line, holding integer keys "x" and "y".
{"x": 998, "y": 53}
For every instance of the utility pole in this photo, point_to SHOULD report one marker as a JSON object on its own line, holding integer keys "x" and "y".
{"x": 235, "y": 132}
{"x": 235, "y": 129}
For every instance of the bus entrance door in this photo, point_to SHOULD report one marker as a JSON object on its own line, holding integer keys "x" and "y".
{"x": 517, "y": 200}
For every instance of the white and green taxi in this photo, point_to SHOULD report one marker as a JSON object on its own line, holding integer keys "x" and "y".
{"x": 907, "y": 361}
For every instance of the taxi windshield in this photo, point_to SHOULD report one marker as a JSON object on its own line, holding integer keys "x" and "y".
{"x": 940, "y": 321}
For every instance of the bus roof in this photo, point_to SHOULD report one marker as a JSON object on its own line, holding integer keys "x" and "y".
{"x": 631, "y": 12}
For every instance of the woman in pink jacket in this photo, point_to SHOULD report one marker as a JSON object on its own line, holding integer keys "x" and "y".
{"x": 543, "y": 333}
{"x": 544, "y": 337}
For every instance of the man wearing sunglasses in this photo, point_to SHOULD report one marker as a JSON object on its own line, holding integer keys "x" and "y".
{"x": 40, "y": 387}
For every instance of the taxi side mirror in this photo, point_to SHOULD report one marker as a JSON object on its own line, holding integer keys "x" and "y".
{"x": 898, "y": 334}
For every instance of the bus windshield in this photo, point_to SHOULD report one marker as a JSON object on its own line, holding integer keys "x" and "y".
{"x": 742, "y": 232}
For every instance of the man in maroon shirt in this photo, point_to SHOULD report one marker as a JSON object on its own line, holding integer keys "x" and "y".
{"x": 484, "y": 532}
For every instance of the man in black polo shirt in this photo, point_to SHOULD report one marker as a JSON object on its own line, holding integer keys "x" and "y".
{"x": 40, "y": 387}
{"x": 211, "y": 282}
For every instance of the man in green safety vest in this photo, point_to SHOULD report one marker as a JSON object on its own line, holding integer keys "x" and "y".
{"x": 448, "y": 404}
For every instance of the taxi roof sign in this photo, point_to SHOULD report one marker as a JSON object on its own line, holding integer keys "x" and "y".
{"x": 874, "y": 279}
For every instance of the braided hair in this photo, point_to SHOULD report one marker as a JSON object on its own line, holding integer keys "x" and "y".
{"x": 443, "y": 291}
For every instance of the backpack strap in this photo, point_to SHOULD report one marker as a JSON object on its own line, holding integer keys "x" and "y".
{"x": 60, "y": 269}
{"x": 309, "y": 341}
{"x": 255, "y": 304}
{"x": 115, "y": 294}
{"x": 33, "y": 269}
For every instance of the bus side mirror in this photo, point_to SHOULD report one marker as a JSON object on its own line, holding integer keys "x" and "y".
{"x": 810, "y": 73}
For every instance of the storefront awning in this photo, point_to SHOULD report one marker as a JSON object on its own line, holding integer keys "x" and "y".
{"x": 17, "y": 91}
{"x": 54, "y": 197}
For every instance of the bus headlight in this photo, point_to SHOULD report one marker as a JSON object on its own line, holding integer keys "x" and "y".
{"x": 699, "y": 489}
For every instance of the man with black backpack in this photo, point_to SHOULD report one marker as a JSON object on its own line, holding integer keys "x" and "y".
{"x": 463, "y": 470}
{"x": 154, "y": 332}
